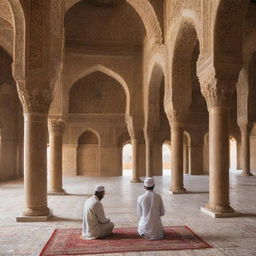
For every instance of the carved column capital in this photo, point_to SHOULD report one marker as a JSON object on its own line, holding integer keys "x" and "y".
{"x": 34, "y": 100}
{"x": 217, "y": 88}
{"x": 56, "y": 126}
{"x": 134, "y": 126}
{"x": 218, "y": 92}
{"x": 177, "y": 118}
{"x": 245, "y": 125}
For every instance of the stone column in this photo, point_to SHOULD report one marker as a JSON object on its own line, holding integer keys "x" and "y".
{"x": 185, "y": 159}
{"x": 135, "y": 131}
{"x": 238, "y": 155}
{"x": 245, "y": 148}
{"x": 56, "y": 129}
{"x": 149, "y": 155}
{"x": 177, "y": 186}
{"x": 35, "y": 167}
{"x": 135, "y": 161}
{"x": 218, "y": 95}
{"x": 36, "y": 103}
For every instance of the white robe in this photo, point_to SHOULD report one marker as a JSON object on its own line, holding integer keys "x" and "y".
{"x": 95, "y": 224}
{"x": 150, "y": 208}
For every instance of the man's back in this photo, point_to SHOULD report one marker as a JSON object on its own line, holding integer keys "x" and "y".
{"x": 150, "y": 208}
{"x": 93, "y": 216}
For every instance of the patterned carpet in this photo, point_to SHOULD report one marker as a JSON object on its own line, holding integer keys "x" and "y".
{"x": 69, "y": 242}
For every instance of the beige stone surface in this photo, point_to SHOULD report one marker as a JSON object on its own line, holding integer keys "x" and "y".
{"x": 126, "y": 71}
{"x": 228, "y": 236}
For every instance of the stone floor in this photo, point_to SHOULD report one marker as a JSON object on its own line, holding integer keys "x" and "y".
{"x": 231, "y": 236}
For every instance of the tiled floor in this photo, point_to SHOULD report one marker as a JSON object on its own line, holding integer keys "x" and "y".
{"x": 231, "y": 236}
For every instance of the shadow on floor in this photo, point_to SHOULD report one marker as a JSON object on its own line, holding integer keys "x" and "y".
{"x": 253, "y": 215}
{"x": 197, "y": 192}
{"x": 70, "y": 194}
{"x": 56, "y": 218}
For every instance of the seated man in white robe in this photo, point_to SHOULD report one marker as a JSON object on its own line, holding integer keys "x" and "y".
{"x": 150, "y": 208}
{"x": 95, "y": 224}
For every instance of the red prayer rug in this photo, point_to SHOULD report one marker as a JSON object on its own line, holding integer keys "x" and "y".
{"x": 69, "y": 242}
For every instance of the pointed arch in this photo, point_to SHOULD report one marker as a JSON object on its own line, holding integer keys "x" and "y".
{"x": 92, "y": 131}
{"x": 110, "y": 73}
{"x": 185, "y": 41}
{"x": 152, "y": 95}
{"x": 147, "y": 14}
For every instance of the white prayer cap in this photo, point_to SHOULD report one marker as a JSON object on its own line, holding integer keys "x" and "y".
{"x": 99, "y": 188}
{"x": 149, "y": 182}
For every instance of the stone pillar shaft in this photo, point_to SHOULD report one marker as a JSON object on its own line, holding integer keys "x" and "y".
{"x": 245, "y": 149}
{"x": 149, "y": 154}
{"x": 56, "y": 129}
{"x": 35, "y": 168}
{"x": 218, "y": 91}
{"x": 219, "y": 159}
{"x": 177, "y": 160}
{"x": 185, "y": 158}
{"x": 135, "y": 161}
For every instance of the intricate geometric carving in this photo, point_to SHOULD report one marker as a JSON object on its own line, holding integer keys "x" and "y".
{"x": 34, "y": 100}
{"x": 177, "y": 118}
{"x": 6, "y": 36}
{"x": 218, "y": 92}
{"x": 242, "y": 89}
{"x": 176, "y": 6}
{"x": 36, "y": 35}
{"x": 245, "y": 125}
{"x": 56, "y": 28}
{"x": 56, "y": 126}
{"x": 149, "y": 18}
{"x": 228, "y": 26}
{"x": 5, "y": 12}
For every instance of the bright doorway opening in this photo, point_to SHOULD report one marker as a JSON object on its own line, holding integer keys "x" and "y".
{"x": 232, "y": 154}
{"x": 166, "y": 158}
{"x": 127, "y": 160}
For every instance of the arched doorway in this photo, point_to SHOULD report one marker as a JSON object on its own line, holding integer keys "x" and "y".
{"x": 12, "y": 122}
{"x": 166, "y": 158}
{"x": 232, "y": 153}
{"x": 88, "y": 155}
{"x": 127, "y": 159}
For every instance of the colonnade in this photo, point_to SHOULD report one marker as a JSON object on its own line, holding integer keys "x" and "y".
{"x": 35, "y": 175}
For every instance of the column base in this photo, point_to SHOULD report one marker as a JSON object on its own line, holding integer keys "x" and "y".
{"x": 246, "y": 174}
{"x": 226, "y": 214}
{"x": 177, "y": 191}
{"x": 57, "y": 193}
{"x": 136, "y": 181}
{"x": 34, "y": 214}
{"x": 32, "y": 218}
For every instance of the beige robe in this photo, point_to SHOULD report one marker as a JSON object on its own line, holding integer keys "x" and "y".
{"x": 95, "y": 224}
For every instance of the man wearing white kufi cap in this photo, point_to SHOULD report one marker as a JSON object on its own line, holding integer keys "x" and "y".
{"x": 95, "y": 224}
{"x": 150, "y": 208}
